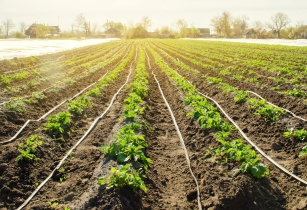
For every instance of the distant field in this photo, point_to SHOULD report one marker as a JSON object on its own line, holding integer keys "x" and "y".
{"x": 22, "y": 48}
{"x": 155, "y": 124}
{"x": 286, "y": 42}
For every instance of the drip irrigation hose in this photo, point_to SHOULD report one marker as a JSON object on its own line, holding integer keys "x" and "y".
{"x": 50, "y": 111}
{"x": 181, "y": 140}
{"x": 45, "y": 115}
{"x": 254, "y": 145}
{"x": 251, "y": 142}
{"x": 7, "y": 72}
{"x": 5, "y": 102}
{"x": 92, "y": 127}
{"x": 294, "y": 115}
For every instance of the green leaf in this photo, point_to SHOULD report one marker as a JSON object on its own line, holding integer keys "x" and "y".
{"x": 259, "y": 171}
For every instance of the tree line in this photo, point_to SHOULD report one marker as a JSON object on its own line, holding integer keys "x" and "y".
{"x": 224, "y": 25}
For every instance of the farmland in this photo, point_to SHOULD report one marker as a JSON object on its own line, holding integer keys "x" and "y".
{"x": 155, "y": 124}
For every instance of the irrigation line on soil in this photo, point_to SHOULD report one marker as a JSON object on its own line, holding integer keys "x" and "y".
{"x": 181, "y": 140}
{"x": 250, "y": 141}
{"x": 45, "y": 115}
{"x": 54, "y": 108}
{"x": 10, "y": 100}
{"x": 7, "y": 72}
{"x": 294, "y": 115}
{"x": 92, "y": 127}
{"x": 254, "y": 145}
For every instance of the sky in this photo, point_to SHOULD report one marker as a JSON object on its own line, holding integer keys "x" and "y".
{"x": 198, "y": 13}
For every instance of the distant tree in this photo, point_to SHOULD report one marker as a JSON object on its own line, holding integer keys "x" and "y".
{"x": 239, "y": 25}
{"x": 140, "y": 32}
{"x": 7, "y": 26}
{"x": 182, "y": 27}
{"x": 111, "y": 24}
{"x": 83, "y": 24}
{"x": 194, "y": 32}
{"x": 222, "y": 24}
{"x": 1, "y": 30}
{"x": 146, "y": 22}
{"x": 22, "y": 27}
{"x": 297, "y": 31}
{"x": 94, "y": 28}
{"x": 258, "y": 27}
{"x": 279, "y": 21}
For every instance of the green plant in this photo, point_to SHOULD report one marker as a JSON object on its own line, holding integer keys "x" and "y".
{"x": 53, "y": 204}
{"x": 62, "y": 179}
{"x": 78, "y": 105}
{"x": 125, "y": 176}
{"x": 128, "y": 146}
{"x": 4, "y": 79}
{"x": 270, "y": 113}
{"x": 298, "y": 134}
{"x": 94, "y": 92}
{"x": 214, "y": 80}
{"x": 15, "y": 106}
{"x": 254, "y": 103}
{"x": 240, "y": 96}
{"x": 296, "y": 92}
{"x": 27, "y": 150}
{"x": 58, "y": 123}
{"x": 238, "y": 151}
{"x": 303, "y": 153}
{"x": 227, "y": 88}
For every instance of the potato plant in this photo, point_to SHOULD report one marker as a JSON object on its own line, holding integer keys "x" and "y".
{"x": 208, "y": 118}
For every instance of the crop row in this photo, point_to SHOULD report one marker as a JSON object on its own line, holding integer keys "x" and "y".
{"x": 209, "y": 118}
{"x": 291, "y": 83}
{"x": 258, "y": 106}
{"x": 129, "y": 142}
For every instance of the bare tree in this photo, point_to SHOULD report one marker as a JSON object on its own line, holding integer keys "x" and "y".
{"x": 83, "y": 24}
{"x": 239, "y": 25}
{"x": 146, "y": 22}
{"x": 279, "y": 21}
{"x": 182, "y": 28}
{"x": 221, "y": 24}
{"x": 22, "y": 27}
{"x": 111, "y": 24}
{"x": 258, "y": 27}
{"x": 7, "y": 26}
{"x": 297, "y": 31}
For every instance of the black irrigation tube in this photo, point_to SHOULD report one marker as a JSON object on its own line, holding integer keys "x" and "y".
{"x": 294, "y": 115}
{"x": 92, "y": 127}
{"x": 179, "y": 135}
{"x": 54, "y": 108}
{"x": 250, "y": 141}
{"x": 181, "y": 141}
{"x": 256, "y": 94}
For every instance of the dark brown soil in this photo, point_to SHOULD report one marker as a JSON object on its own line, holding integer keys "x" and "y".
{"x": 169, "y": 182}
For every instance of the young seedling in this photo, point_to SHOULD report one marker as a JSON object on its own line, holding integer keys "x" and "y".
{"x": 58, "y": 123}
{"x": 27, "y": 150}
{"x": 125, "y": 176}
{"x": 296, "y": 134}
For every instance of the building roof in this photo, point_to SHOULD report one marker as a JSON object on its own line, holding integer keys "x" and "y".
{"x": 112, "y": 31}
{"x": 249, "y": 31}
{"x": 51, "y": 29}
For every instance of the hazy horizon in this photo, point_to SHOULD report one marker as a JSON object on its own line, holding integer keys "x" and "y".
{"x": 162, "y": 13}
